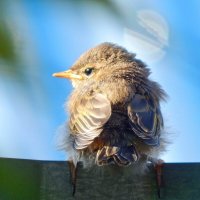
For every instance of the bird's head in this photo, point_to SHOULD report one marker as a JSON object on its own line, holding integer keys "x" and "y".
{"x": 106, "y": 61}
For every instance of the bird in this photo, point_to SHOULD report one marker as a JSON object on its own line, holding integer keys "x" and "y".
{"x": 114, "y": 110}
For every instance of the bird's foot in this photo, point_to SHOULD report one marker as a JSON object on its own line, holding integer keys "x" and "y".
{"x": 159, "y": 175}
{"x": 158, "y": 165}
{"x": 73, "y": 176}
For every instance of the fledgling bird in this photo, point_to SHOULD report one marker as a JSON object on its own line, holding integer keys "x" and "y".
{"x": 115, "y": 115}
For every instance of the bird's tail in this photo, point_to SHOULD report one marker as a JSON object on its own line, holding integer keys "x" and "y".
{"x": 121, "y": 156}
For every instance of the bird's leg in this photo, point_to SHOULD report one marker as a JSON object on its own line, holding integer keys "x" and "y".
{"x": 159, "y": 175}
{"x": 73, "y": 176}
{"x": 158, "y": 165}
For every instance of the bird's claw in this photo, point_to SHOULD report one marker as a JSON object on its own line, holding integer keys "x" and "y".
{"x": 73, "y": 176}
{"x": 159, "y": 168}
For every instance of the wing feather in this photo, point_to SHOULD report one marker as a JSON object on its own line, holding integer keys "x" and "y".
{"x": 145, "y": 118}
{"x": 88, "y": 119}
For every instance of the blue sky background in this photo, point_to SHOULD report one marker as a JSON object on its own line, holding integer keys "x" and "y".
{"x": 48, "y": 36}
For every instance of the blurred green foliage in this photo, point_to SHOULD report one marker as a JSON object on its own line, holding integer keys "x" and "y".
{"x": 9, "y": 60}
{"x": 7, "y": 47}
{"x": 105, "y": 3}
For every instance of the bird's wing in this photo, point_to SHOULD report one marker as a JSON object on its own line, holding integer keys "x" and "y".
{"x": 145, "y": 118}
{"x": 88, "y": 119}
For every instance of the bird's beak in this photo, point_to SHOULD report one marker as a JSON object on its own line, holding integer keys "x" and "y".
{"x": 67, "y": 74}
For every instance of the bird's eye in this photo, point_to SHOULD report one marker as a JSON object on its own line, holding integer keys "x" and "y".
{"x": 88, "y": 71}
